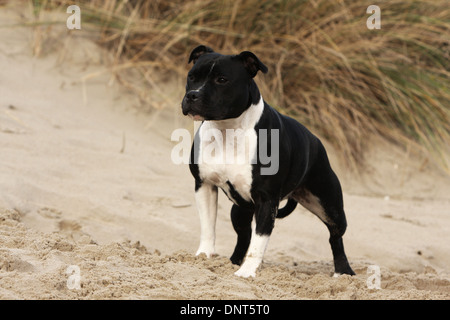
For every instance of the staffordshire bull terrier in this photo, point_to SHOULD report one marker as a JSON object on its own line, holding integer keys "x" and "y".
{"x": 222, "y": 93}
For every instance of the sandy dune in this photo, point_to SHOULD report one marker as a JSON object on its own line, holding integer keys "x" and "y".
{"x": 86, "y": 180}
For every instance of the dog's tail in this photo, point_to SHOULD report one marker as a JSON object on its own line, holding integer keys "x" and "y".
{"x": 287, "y": 209}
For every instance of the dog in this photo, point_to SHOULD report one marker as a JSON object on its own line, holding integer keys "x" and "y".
{"x": 221, "y": 92}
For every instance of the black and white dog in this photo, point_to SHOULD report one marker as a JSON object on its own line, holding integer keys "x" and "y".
{"x": 221, "y": 93}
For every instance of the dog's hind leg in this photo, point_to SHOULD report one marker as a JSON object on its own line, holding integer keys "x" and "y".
{"x": 321, "y": 194}
{"x": 334, "y": 218}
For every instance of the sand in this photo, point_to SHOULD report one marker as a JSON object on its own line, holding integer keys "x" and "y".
{"x": 92, "y": 206}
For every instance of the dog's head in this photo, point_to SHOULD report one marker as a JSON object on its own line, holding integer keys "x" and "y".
{"x": 220, "y": 86}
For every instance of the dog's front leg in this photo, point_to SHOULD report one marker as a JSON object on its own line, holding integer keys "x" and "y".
{"x": 265, "y": 215}
{"x": 206, "y": 200}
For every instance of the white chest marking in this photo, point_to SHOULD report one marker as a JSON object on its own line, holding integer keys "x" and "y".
{"x": 228, "y": 149}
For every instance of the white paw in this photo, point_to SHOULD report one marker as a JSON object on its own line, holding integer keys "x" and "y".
{"x": 207, "y": 250}
{"x": 248, "y": 268}
{"x": 245, "y": 273}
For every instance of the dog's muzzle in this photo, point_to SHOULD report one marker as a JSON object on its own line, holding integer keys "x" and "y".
{"x": 189, "y": 107}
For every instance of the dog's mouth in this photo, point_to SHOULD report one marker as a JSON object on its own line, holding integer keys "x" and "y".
{"x": 195, "y": 117}
{"x": 190, "y": 111}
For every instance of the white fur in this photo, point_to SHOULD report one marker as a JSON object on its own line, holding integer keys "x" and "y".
{"x": 206, "y": 199}
{"x": 255, "y": 253}
{"x": 226, "y": 163}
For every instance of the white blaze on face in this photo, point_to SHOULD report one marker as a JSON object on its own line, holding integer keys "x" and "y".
{"x": 204, "y": 83}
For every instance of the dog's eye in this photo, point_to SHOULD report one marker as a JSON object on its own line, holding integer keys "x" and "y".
{"x": 191, "y": 77}
{"x": 221, "y": 80}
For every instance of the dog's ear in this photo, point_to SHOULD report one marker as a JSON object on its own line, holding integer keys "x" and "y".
{"x": 199, "y": 51}
{"x": 252, "y": 63}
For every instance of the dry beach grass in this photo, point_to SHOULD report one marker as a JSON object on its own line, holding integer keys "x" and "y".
{"x": 326, "y": 67}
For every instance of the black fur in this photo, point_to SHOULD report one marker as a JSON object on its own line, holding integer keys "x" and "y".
{"x": 304, "y": 170}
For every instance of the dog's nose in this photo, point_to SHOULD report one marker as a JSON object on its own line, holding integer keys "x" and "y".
{"x": 192, "y": 96}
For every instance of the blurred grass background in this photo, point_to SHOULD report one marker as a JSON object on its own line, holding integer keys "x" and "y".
{"x": 326, "y": 68}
